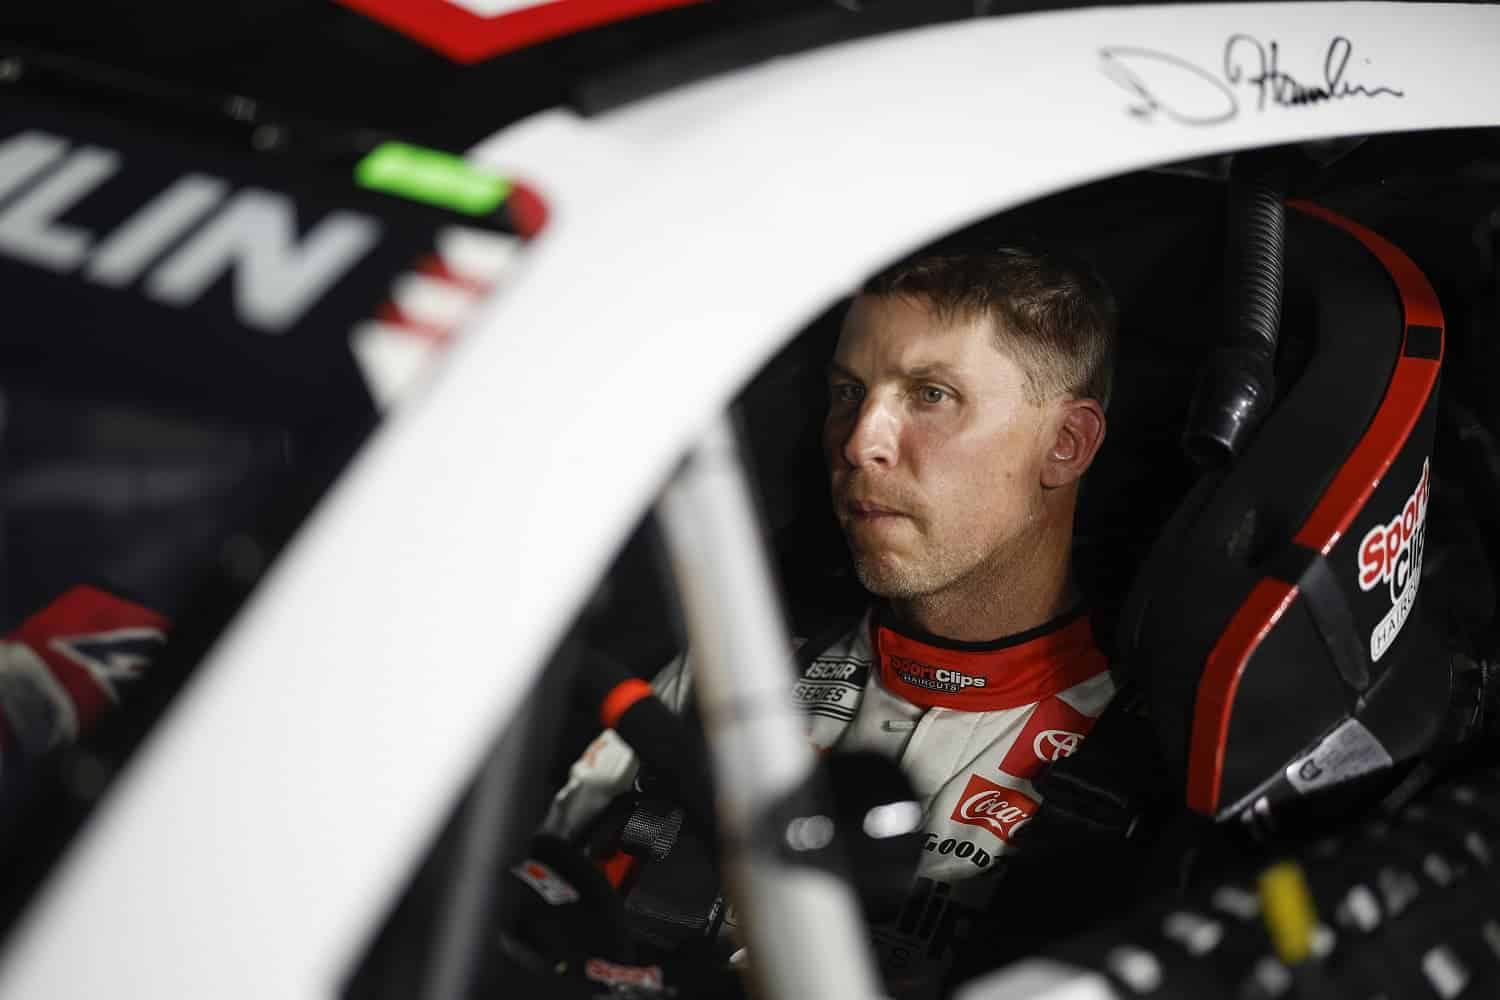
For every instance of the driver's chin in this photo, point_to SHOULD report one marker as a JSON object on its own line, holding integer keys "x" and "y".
{"x": 886, "y": 575}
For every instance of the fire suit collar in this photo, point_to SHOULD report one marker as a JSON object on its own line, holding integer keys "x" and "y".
{"x": 1018, "y": 670}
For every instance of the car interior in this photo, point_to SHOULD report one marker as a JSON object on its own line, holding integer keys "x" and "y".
{"x": 1166, "y": 546}
{"x": 199, "y": 493}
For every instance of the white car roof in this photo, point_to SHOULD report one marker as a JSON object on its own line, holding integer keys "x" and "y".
{"x": 257, "y": 839}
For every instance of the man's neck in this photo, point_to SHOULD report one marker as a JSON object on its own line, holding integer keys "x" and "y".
{"x": 1010, "y": 595}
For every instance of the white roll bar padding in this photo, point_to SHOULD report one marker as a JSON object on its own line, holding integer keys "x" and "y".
{"x": 802, "y": 925}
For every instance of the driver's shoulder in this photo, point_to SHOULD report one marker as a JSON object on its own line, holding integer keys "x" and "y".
{"x": 845, "y": 637}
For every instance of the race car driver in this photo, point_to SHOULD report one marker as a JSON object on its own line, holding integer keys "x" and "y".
{"x": 967, "y": 401}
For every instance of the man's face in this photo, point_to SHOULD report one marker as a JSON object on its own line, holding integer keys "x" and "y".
{"x": 933, "y": 449}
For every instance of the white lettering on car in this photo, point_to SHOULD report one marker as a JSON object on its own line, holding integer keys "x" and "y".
{"x": 250, "y": 234}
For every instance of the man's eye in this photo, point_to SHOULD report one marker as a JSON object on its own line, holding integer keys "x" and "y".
{"x": 932, "y": 395}
{"x": 847, "y": 392}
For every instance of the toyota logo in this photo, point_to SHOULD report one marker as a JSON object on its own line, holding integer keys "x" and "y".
{"x": 1055, "y": 744}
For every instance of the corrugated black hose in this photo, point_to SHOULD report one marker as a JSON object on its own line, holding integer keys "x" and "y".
{"x": 1237, "y": 387}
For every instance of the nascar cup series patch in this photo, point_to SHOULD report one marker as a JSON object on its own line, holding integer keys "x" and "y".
{"x": 1391, "y": 555}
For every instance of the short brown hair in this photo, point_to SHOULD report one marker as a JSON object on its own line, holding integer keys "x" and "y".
{"x": 1053, "y": 314}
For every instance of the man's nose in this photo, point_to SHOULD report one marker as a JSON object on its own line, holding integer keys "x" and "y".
{"x": 873, "y": 437}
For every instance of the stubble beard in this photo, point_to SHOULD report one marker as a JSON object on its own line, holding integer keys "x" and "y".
{"x": 903, "y": 579}
{"x": 929, "y": 571}
{"x": 944, "y": 565}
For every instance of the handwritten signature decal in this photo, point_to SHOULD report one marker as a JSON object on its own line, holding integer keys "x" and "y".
{"x": 1174, "y": 88}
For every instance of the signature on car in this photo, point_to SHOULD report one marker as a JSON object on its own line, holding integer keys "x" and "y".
{"x": 1166, "y": 85}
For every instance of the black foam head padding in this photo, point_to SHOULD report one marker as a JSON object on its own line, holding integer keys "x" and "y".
{"x": 1344, "y": 323}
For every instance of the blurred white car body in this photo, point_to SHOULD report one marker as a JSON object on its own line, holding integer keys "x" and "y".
{"x": 257, "y": 839}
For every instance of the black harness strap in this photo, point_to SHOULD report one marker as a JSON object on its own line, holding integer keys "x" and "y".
{"x": 1106, "y": 788}
{"x": 1314, "y": 579}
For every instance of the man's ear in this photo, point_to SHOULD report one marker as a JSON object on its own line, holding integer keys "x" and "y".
{"x": 1078, "y": 432}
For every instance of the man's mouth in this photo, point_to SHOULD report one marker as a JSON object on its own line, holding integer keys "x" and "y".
{"x": 862, "y": 510}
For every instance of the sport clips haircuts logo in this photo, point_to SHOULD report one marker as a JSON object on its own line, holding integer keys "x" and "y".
{"x": 993, "y": 807}
{"x": 925, "y": 675}
{"x": 1392, "y": 554}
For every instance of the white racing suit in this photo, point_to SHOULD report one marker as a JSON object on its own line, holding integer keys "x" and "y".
{"x": 972, "y": 724}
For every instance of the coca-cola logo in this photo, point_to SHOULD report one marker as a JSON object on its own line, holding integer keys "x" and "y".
{"x": 1055, "y": 744}
{"x": 993, "y": 807}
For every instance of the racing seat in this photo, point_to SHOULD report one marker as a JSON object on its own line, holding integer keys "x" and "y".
{"x": 1274, "y": 628}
